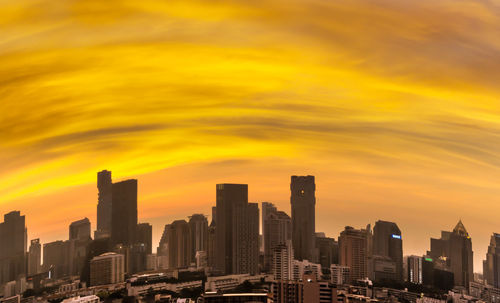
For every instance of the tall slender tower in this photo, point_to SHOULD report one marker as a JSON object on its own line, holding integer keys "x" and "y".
{"x": 124, "y": 212}
{"x": 491, "y": 266}
{"x": 34, "y": 257}
{"x": 303, "y": 202}
{"x": 198, "y": 225}
{"x": 104, "y": 204}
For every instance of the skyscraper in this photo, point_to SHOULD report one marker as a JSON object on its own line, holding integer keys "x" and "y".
{"x": 491, "y": 266}
{"x": 34, "y": 257}
{"x": 276, "y": 228}
{"x": 246, "y": 239}
{"x": 124, "y": 212}
{"x": 56, "y": 258}
{"x": 145, "y": 236}
{"x": 303, "y": 202}
{"x": 80, "y": 230}
{"x": 198, "y": 225}
{"x": 415, "y": 271}
{"x": 354, "y": 251}
{"x": 237, "y": 230}
{"x": 455, "y": 249}
{"x": 104, "y": 204}
{"x": 13, "y": 246}
{"x": 387, "y": 242}
{"x": 178, "y": 239}
{"x": 212, "y": 244}
{"x": 327, "y": 250}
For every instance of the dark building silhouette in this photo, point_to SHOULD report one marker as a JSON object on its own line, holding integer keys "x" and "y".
{"x": 56, "y": 258}
{"x": 13, "y": 246}
{"x": 303, "y": 202}
{"x": 176, "y": 244}
{"x": 237, "y": 231}
{"x": 388, "y": 243}
{"x": 435, "y": 273}
{"x": 34, "y": 257}
{"x": 276, "y": 229}
{"x": 198, "y": 225}
{"x": 104, "y": 204}
{"x": 211, "y": 245}
{"x": 491, "y": 266}
{"x": 454, "y": 249}
{"x": 327, "y": 250}
{"x": 80, "y": 230}
{"x": 79, "y": 239}
{"x": 124, "y": 212}
{"x": 354, "y": 251}
{"x": 145, "y": 236}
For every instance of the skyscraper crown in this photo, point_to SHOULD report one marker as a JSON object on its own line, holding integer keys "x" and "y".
{"x": 460, "y": 229}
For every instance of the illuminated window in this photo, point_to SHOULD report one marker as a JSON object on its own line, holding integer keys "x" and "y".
{"x": 302, "y": 192}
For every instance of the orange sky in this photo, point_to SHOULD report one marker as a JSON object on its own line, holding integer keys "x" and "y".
{"x": 393, "y": 105}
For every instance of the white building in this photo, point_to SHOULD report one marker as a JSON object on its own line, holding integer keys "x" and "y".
{"x": 302, "y": 267}
{"x": 339, "y": 274}
{"x": 282, "y": 264}
{"x": 86, "y": 299}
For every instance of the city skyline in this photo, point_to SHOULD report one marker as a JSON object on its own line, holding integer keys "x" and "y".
{"x": 156, "y": 238}
{"x": 392, "y": 106}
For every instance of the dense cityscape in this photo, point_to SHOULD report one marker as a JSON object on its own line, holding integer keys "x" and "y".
{"x": 230, "y": 260}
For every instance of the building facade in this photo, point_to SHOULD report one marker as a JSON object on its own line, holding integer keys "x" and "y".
{"x": 354, "y": 251}
{"x": 108, "y": 268}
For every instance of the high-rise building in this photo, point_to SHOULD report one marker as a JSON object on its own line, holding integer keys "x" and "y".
{"x": 104, "y": 204}
{"x": 303, "y": 200}
{"x": 282, "y": 261}
{"x": 13, "y": 247}
{"x": 327, "y": 250}
{"x": 491, "y": 266}
{"x": 276, "y": 228}
{"x": 145, "y": 236}
{"x": 79, "y": 240}
{"x": 177, "y": 238}
{"x": 246, "y": 239}
{"x": 198, "y": 225}
{"x": 106, "y": 269}
{"x": 80, "y": 230}
{"x": 388, "y": 243}
{"x": 303, "y": 267}
{"x": 211, "y": 243}
{"x": 455, "y": 250}
{"x": 34, "y": 257}
{"x": 56, "y": 258}
{"x": 124, "y": 212}
{"x": 237, "y": 231}
{"x": 339, "y": 275}
{"x": 415, "y": 273}
{"x": 354, "y": 251}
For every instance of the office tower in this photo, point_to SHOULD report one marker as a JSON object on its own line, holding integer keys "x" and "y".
{"x": 388, "y": 243}
{"x": 211, "y": 245}
{"x": 354, "y": 252}
{"x": 455, "y": 249}
{"x": 198, "y": 225}
{"x": 76, "y": 246}
{"x": 104, "y": 204}
{"x": 106, "y": 269}
{"x": 34, "y": 257}
{"x": 80, "y": 230}
{"x": 145, "y": 236}
{"x": 303, "y": 202}
{"x": 246, "y": 239}
{"x": 327, "y": 250}
{"x": 282, "y": 261}
{"x": 415, "y": 269}
{"x": 435, "y": 273}
{"x": 382, "y": 269}
{"x": 176, "y": 244}
{"x": 339, "y": 275}
{"x": 13, "y": 247}
{"x": 237, "y": 231}
{"x": 124, "y": 212}
{"x": 276, "y": 228}
{"x": 491, "y": 266}
{"x": 136, "y": 258}
{"x": 56, "y": 258}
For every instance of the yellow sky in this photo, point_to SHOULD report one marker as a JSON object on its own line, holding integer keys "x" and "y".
{"x": 393, "y": 105}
